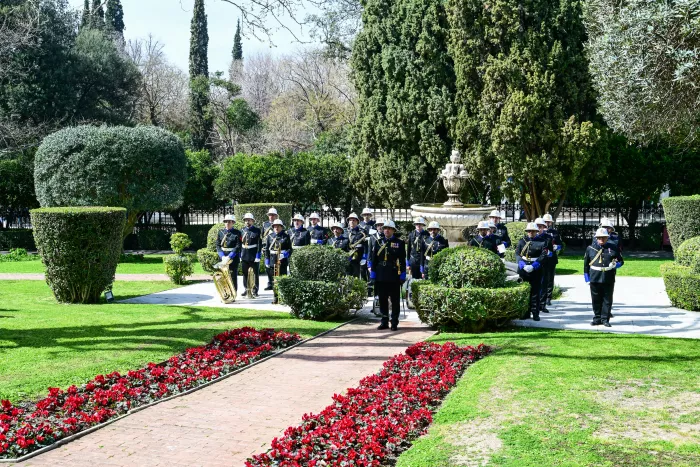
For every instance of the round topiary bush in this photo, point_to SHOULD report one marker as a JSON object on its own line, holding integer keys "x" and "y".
{"x": 318, "y": 263}
{"x": 319, "y": 300}
{"x": 688, "y": 254}
{"x": 682, "y": 218}
{"x": 140, "y": 169}
{"x": 682, "y": 286}
{"x": 80, "y": 247}
{"x": 469, "y": 309}
{"x": 466, "y": 266}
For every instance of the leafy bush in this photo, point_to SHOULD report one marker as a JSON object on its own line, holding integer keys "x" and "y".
{"x": 153, "y": 239}
{"x": 140, "y": 169}
{"x": 19, "y": 238}
{"x": 212, "y": 236}
{"x": 178, "y": 267}
{"x": 466, "y": 266}
{"x": 131, "y": 258}
{"x": 469, "y": 309}
{"x": 259, "y": 211}
{"x": 207, "y": 259}
{"x": 17, "y": 254}
{"x": 682, "y": 218}
{"x": 320, "y": 300}
{"x": 80, "y": 247}
{"x": 688, "y": 253}
{"x": 682, "y": 286}
{"x": 179, "y": 242}
{"x": 198, "y": 234}
{"x": 323, "y": 263}
{"x": 650, "y": 236}
{"x": 516, "y": 231}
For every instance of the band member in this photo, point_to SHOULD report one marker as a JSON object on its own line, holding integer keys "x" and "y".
{"x": 530, "y": 253}
{"x": 434, "y": 243}
{"x": 299, "y": 236}
{"x": 267, "y": 229}
{"x": 367, "y": 222}
{"x": 251, "y": 249}
{"x": 228, "y": 244}
{"x": 600, "y": 265}
{"x": 376, "y": 234}
{"x": 279, "y": 247}
{"x": 339, "y": 240}
{"x": 556, "y": 248}
{"x": 501, "y": 229}
{"x": 358, "y": 246}
{"x": 613, "y": 238}
{"x": 542, "y": 235}
{"x": 387, "y": 267}
{"x": 485, "y": 239}
{"x": 319, "y": 235}
{"x": 415, "y": 255}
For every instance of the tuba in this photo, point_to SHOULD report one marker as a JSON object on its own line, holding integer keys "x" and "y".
{"x": 224, "y": 283}
{"x": 250, "y": 282}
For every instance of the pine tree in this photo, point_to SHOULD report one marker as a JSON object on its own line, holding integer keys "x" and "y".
{"x": 98, "y": 15}
{"x": 237, "y": 45}
{"x": 114, "y": 16}
{"x": 200, "y": 121}
{"x": 85, "y": 19}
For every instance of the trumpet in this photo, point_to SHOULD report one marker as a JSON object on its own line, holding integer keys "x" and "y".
{"x": 224, "y": 283}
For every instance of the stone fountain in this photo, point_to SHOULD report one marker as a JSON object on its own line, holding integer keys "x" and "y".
{"x": 454, "y": 216}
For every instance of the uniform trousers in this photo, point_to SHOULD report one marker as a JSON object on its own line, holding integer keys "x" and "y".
{"x": 354, "y": 269}
{"x": 533, "y": 278}
{"x": 389, "y": 290}
{"x": 269, "y": 271}
{"x": 602, "y": 298}
{"x": 233, "y": 269}
{"x": 415, "y": 268}
{"x": 547, "y": 282}
{"x": 246, "y": 265}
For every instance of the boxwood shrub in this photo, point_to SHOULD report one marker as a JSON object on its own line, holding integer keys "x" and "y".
{"x": 318, "y": 263}
{"x": 516, "y": 231}
{"x": 80, "y": 247}
{"x": 259, "y": 211}
{"x": 19, "y": 238}
{"x": 466, "y": 266}
{"x": 469, "y": 309}
{"x": 319, "y": 300}
{"x": 688, "y": 254}
{"x": 682, "y": 286}
{"x": 682, "y": 218}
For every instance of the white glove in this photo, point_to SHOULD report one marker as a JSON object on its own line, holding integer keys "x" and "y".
{"x": 528, "y": 268}
{"x": 363, "y": 262}
{"x": 257, "y": 260}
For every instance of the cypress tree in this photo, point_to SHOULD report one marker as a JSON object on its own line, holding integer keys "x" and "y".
{"x": 114, "y": 16}
{"x": 85, "y": 19}
{"x": 200, "y": 122}
{"x": 237, "y": 45}
{"x": 98, "y": 15}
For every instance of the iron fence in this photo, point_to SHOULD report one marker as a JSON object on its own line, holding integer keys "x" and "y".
{"x": 583, "y": 215}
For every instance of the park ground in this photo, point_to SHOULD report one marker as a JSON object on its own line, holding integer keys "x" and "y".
{"x": 544, "y": 397}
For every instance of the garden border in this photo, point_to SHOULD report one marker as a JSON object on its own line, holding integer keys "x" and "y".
{"x": 75, "y": 436}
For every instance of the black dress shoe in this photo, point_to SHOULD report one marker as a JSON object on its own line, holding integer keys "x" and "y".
{"x": 383, "y": 326}
{"x": 549, "y": 302}
{"x": 535, "y": 318}
{"x": 245, "y": 293}
{"x": 269, "y": 287}
{"x": 545, "y": 310}
{"x": 611, "y": 316}
{"x": 595, "y": 323}
{"x": 607, "y": 325}
{"x": 394, "y": 328}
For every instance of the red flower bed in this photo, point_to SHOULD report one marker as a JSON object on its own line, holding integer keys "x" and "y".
{"x": 32, "y": 426}
{"x": 376, "y": 421}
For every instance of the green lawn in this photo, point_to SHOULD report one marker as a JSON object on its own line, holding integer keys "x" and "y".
{"x": 569, "y": 398}
{"x": 152, "y": 264}
{"x": 639, "y": 267}
{"x": 44, "y": 344}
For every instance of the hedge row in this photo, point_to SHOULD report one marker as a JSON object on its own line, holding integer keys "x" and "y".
{"x": 321, "y": 300}
{"x": 259, "y": 212}
{"x": 682, "y": 218}
{"x": 20, "y": 238}
{"x": 682, "y": 286}
{"x": 466, "y": 266}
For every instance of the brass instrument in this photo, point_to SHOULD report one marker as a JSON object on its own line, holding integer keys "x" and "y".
{"x": 251, "y": 282}
{"x": 276, "y": 271}
{"x": 224, "y": 283}
{"x": 353, "y": 251}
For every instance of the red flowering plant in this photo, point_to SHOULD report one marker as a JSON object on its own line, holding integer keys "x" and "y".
{"x": 373, "y": 423}
{"x": 31, "y": 426}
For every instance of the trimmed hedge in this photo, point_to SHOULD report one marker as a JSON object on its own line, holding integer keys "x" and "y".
{"x": 516, "y": 231}
{"x": 318, "y": 263}
{"x": 20, "y": 238}
{"x": 682, "y": 218}
{"x": 682, "y": 286}
{"x": 688, "y": 254}
{"x": 319, "y": 300}
{"x": 466, "y": 266}
{"x": 80, "y": 247}
{"x": 198, "y": 235}
{"x": 469, "y": 309}
{"x": 259, "y": 211}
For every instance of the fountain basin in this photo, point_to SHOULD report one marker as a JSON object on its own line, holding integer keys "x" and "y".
{"x": 452, "y": 219}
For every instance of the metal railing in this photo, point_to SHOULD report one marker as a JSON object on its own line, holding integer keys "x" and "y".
{"x": 590, "y": 215}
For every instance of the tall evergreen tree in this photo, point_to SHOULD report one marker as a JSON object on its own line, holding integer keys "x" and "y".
{"x": 114, "y": 16}
{"x": 200, "y": 120}
{"x": 85, "y": 18}
{"x": 97, "y": 15}
{"x": 237, "y": 44}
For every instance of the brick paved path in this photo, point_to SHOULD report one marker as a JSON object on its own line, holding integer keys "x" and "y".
{"x": 225, "y": 423}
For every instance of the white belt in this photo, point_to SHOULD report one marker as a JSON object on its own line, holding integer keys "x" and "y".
{"x": 600, "y": 268}
{"x": 228, "y": 250}
{"x": 248, "y": 247}
{"x": 295, "y": 247}
{"x": 274, "y": 253}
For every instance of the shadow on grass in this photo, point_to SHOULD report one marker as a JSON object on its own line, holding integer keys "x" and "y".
{"x": 567, "y": 272}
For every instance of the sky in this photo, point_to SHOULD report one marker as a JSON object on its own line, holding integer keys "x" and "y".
{"x": 169, "y": 22}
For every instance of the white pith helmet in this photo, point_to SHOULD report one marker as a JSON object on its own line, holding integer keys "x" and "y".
{"x": 278, "y": 222}
{"x": 483, "y": 225}
{"x": 548, "y": 218}
{"x": 314, "y": 215}
{"x": 298, "y": 217}
{"x": 606, "y": 223}
{"x": 495, "y": 213}
{"x": 492, "y": 225}
{"x": 602, "y": 232}
{"x": 380, "y": 221}
{"x": 248, "y": 215}
{"x": 418, "y": 220}
{"x": 353, "y": 216}
{"x": 531, "y": 226}
{"x": 433, "y": 225}
{"x": 272, "y": 211}
{"x": 367, "y": 211}
{"x": 229, "y": 217}
{"x": 390, "y": 224}
{"x": 540, "y": 221}
{"x": 336, "y": 225}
